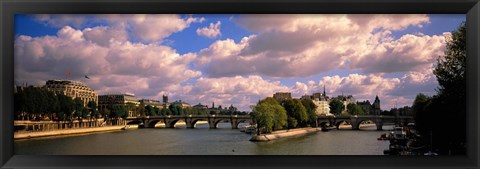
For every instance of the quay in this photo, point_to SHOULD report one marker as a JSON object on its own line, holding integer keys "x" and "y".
{"x": 76, "y": 131}
{"x": 284, "y": 134}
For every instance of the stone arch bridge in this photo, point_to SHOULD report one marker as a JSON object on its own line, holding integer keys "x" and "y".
{"x": 190, "y": 120}
{"x": 355, "y": 121}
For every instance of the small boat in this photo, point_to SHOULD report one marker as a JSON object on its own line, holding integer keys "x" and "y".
{"x": 248, "y": 129}
{"x": 325, "y": 128}
{"x": 383, "y": 137}
{"x": 125, "y": 127}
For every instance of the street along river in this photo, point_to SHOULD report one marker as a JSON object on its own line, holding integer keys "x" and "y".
{"x": 205, "y": 141}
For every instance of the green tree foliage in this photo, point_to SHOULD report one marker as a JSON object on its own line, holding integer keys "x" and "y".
{"x": 149, "y": 110}
{"x": 444, "y": 115}
{"x": 166, "y": 111}
{"x": 156, "y": 111}
{"x": 131, "y": 107}
{"x": 92, "y": 107}
{"x": 66, "y": 107}
{"x": 292, "y": 122}
{"x": 269, "y": 115}
{"x": 336, "y": 107}
{"x": 311, "y": 108}
{"x": 78, "y": 107}
{"x": 175, "y": 109}
{"x": 119, "y": 111}
{"x": 354, "y": 109}
{"x": 280, "y": 115}
{"x": 263, "y": 116}
{"x": 296, "y": 110}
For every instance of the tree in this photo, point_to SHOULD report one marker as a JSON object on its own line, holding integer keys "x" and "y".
{"x": 149, "y": 110}
{"x": 156, "y": 111}
{"x": 280, "y": 115}
{"x": 355, "y": 109}
{"x": 449, "y": 105}
{"x": 131, "y": 107}
{"x": 292, "y": 122}
{"x": 269, "y": 115}
{"x": 420, "y": 105}
{"x": 173, "y": 109}
{"x": 92, "y": 107}
{"x": 263, "y": 117}
{"x": 66, "y": 107}
{"x": 336, "y": 107}
{"x": 78, "y": 107}
{"x": 311, "y": 108}
{"x": 296, "y": 110}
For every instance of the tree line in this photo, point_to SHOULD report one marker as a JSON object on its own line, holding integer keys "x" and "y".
{"x": 337, "y": 108}
{"x": 270, "y": 115}
{"x": 442, "y": 117}
{"x": 36, "y": 103}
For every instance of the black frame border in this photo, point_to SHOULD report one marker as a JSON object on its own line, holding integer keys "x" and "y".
{"x": 9, "y": 8}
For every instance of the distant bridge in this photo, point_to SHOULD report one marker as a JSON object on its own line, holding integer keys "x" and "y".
{"x": 235, "y": 120}
{"x": 356, "y": 120}
{"x": 190, "y": 120}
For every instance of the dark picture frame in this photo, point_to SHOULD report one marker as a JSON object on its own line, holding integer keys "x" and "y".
{"x": 9, "y": 8}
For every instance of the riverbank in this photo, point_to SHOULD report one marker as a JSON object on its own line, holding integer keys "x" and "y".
{"x": 66, "y": 132}
{"x": 27, "y": 135}
{"x": 284, "y": 134}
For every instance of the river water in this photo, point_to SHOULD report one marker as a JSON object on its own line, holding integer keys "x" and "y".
{"x": 205, "y": 141}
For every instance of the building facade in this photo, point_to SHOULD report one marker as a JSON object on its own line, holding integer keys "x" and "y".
{"x": 108, "y": 100}
{"x": 181, "y": 103}
{"x": 73, "y": 89}
{"x": 281, "y": 96}
{"x": 151, "y": 102}
{"x": 323, "y": 107}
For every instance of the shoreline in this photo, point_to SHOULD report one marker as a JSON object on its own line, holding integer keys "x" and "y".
{"x": 284, "y": 134}
{"x": 73, "y": 132}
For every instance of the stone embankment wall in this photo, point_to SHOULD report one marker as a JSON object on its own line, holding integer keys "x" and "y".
{"x": 284, "y": 134}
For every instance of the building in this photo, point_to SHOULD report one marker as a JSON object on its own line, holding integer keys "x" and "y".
{"x": 108, "y": 100}
{"x": 200, "y": 106}
{"x": 345, "y": 100}
{"x": 281, "y": 96}
{"x": 366, "y": 106}
{"x": 181, "y": 104}
{"x": 165, "y": 101}
{"x": 376, "y": 106}
{"x": 153, "y": 103}
{"x": 323, "y": 107}
{"x": 372, "y": 109}
{"x": 73, "y": 89}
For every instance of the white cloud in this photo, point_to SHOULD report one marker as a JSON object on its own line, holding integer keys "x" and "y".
{"x": 122, "y": 66}
{"x": 239, "y": 91}
{"x": 305, "y": 45}
{"x": 147, "y": 27}
{"x": 211, "y": 32}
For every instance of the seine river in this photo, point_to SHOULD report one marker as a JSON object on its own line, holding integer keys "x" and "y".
{"x": 205, "y": 141}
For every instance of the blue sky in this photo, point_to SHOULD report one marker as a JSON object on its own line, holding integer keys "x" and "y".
{"x": 236, "y": 59}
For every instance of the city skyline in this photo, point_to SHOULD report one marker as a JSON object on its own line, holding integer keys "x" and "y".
{"x": 236, "y": 59}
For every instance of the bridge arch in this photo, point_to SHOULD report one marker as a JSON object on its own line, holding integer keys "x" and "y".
{"x": 360, "y": 121}
{"x": 171, "y": 123}
{"x": 216, "y": 121}
{"x": 152, "y": 123}
{"x": 193, "y": 122}
{"x": 134, "y": 122}
{"x": 236, "y": 123}
{"x": 338, "y": 122}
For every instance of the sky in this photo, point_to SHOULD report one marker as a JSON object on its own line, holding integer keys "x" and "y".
{"x": 236, "y": 59}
